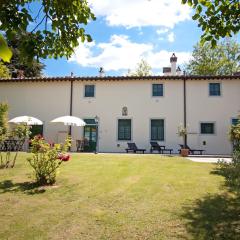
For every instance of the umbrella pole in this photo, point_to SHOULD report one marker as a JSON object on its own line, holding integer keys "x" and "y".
{"x": 70, "y": 135}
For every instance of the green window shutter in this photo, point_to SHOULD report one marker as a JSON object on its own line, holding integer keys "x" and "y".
{"x": 89, "y": 91}
{"x": 124, "y": 129}
{"x": 207, "y": 128}
{"x": 157, "y": 129}
{"x": 214, "y": 89}
{"x": 157, "y": 90}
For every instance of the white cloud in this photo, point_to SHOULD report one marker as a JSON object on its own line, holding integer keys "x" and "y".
{"x": 161, "y": 38}
{"x": 139, "y": 13}
{"x": 120, "y": 53}
{"x": 162, "y": 31}
{"x": 171, "y": 37}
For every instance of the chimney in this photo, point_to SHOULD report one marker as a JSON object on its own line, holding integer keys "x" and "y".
{"x": 166, "y": 71}
{"x": 179, "y": 71}
{"x": 72, "y": 74}
{"x": 101, "y": 72}
{"x": 173, "y": 61}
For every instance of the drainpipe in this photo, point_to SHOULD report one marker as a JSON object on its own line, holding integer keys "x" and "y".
{"x": 184, "y": 108}
{"x": 71, "y": 103}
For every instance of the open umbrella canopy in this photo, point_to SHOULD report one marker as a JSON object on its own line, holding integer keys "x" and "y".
{"x": 26, "y": 120}
{"x": 69, "y": 121}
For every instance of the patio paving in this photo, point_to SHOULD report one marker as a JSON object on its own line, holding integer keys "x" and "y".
{"x": 209, "y": 159}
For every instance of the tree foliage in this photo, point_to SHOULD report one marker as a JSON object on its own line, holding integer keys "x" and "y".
{"x": 217, "y": 18}
{"x": 143, "y": 69}
{"x": 38, "y": 37}
{"x": 5, "y": 52}
{"x": 4, "y": 72}
{"x": 30, "y": 67}
{"x": 221, "y": 60}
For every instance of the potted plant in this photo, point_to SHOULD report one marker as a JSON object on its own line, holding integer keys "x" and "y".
{"x": 182, "y": 132}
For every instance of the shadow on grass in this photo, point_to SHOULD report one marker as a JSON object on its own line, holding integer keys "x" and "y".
{"x": 25, "y": 187}
{"x": 214, "y": 217}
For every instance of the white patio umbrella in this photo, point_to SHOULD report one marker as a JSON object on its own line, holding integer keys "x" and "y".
{"x": 27, "y": 120}
{"x": 69, "y": 121}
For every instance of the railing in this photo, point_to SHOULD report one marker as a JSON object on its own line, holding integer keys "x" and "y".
{"x": 11, "y": 145}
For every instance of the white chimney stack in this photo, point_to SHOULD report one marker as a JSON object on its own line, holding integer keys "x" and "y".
{"x": 173, "y": 61}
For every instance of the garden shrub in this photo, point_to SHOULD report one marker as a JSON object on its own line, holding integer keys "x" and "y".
{"x": 231, "y": 171}
{"x": 46, "y": 159}
{"x": 3, "y": 119}
{"x": 11, "y": 140}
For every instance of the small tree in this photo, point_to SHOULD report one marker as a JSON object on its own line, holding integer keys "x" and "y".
{"x": 47, "y": 159}
{"x": 221, "y": 60}
{"x": 143, "y": 69}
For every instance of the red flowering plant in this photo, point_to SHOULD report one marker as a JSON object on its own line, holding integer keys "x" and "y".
{"x": 46, "y": 159}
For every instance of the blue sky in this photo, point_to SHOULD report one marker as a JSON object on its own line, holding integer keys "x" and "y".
{"x": 126, "y": 32}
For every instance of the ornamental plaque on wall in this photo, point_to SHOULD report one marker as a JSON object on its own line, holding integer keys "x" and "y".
{"x": 124, "y": 111}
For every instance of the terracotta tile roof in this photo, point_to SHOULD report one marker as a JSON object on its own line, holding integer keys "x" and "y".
{"x": 120, "y": 78}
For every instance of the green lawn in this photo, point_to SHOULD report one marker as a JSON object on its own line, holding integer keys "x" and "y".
{"x": 111, "y": 196}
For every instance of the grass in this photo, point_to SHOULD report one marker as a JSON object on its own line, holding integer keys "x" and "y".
{"x": 110, "y": 196}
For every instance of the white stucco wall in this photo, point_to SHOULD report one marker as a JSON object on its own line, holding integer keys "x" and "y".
{"x": 112, "y": 96}
{"x": 44, "y": 100}
{"x": 218, "y": 109}
{"x": 48, "y": 100}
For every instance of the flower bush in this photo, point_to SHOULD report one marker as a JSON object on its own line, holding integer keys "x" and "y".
{"x": 47, "y": 158}
{"x": 182, "y": 131}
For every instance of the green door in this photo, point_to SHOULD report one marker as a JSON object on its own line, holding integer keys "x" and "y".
{"x": 90, "y": 133}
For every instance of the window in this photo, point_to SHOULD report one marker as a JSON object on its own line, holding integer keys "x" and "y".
{"x": 157, "y": 90}
{"x": 207, "y": 128}
{"x": 90, "y": 121}
{"x": 89, "y": 91}
{"x": 157, "y": 129}
{"x": 235, "y": 121}
{"x": 124, "y": 129}
{"x": 214, "y": 89}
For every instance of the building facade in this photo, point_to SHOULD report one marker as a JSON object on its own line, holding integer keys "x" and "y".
{"x": 131, "y": 109}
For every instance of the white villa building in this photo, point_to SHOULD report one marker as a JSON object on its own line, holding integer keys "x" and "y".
{"x": 132, "y": 109}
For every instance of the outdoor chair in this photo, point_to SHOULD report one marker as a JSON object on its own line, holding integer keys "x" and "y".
{"x": 191, "y": 151}
{"x": 133, "y": 148}
{"x": 160, "y": 148}
{"x": 82, "y": 144}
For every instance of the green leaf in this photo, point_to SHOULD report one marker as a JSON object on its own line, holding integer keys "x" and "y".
{"x": 5, "y": 52}
{"x": 214, "y": 43}
{"x": 199, "y": 9}
{"x": 196, "y": 16}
